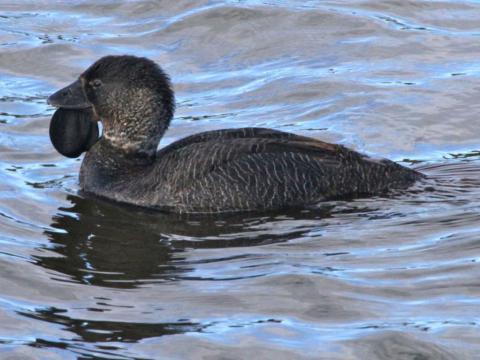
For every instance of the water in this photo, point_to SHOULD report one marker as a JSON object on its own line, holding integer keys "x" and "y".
{"x": 380, "y": 278}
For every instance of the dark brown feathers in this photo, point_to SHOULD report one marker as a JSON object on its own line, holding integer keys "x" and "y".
{"x": 247, "y": 169}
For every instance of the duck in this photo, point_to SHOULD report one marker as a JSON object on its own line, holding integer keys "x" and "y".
{"x": 219, "y": 171}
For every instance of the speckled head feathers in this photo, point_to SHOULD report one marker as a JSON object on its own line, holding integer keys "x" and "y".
{"x": 133, "y": 98}
{"x": 130, "y": 72}
{"x": 129, "y": 68}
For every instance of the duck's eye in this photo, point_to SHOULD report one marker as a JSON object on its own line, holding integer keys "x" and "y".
{"x": 96, "y": 83}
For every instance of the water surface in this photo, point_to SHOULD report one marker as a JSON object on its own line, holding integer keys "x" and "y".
{"x": 380, "y": 278}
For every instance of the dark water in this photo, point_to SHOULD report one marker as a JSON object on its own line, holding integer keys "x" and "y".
{"x": 381, "y": 278}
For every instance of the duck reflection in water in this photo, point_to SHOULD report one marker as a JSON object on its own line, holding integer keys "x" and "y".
{"x": 112, "y": 246}
{"x": 105, "y": 244}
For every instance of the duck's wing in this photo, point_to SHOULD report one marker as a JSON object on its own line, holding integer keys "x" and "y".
{"x": 229, "y": 134}
{"x": 254, "y": 169}
{"x": 202, "y": 153}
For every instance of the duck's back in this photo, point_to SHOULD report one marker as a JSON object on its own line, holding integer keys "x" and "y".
{"x": 260, "y": 169}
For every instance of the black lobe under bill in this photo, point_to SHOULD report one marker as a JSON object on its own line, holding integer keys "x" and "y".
{"x": 73, "y": 132}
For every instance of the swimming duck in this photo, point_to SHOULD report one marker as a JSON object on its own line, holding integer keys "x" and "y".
{"x": 247, "y": 169}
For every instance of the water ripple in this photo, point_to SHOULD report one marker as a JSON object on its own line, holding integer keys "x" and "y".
{"x": 380, "y": 278}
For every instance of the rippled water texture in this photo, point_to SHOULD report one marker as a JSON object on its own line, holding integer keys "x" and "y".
{"x": 381, "y": 278}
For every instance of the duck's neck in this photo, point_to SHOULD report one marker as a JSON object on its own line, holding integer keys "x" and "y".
{"x": 105, "y": 165}
{"x": 136, "y": 130}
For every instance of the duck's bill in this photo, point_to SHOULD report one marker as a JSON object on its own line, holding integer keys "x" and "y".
{"x": 70, "y": 97}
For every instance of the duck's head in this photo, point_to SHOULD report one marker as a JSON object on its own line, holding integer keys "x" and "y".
{"x": 131, "y": 96}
